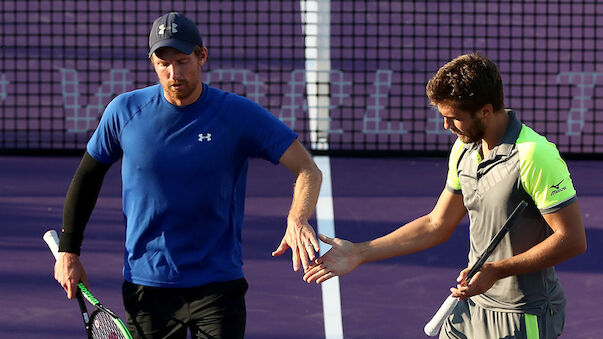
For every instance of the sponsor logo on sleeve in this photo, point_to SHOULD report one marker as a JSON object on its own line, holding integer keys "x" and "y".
{"x": 557, "y": 188}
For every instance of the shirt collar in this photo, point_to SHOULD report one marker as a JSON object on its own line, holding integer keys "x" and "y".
{"x": 511, "y": 134}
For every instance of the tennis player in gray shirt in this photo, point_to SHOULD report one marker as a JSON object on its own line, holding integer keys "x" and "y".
{"x": 495, "y": 163}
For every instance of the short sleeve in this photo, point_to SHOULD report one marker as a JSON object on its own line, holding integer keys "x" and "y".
{"x": 453, "y": 183}
{"x": 104, "y": 144}
{"x": 544, "y": 174}
{"x": 264, "y": 135}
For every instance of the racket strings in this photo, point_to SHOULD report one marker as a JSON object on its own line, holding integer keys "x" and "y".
{"x": 102, "y": 326}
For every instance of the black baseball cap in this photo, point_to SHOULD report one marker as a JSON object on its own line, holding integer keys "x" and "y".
{"x": 174, "y": 30}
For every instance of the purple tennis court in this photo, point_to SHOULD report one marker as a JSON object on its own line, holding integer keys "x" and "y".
{"x": 62, "y": 62}
{"x": 389, "y": 299}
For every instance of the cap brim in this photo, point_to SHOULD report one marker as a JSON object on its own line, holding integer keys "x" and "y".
{"x": 181, "y": 46}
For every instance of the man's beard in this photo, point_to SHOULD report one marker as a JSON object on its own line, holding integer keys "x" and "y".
{"x": 180, "y": 93}
{"x": 473, "y": 134}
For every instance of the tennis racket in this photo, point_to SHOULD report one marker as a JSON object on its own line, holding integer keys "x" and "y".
{"x": 102, "y": 323}
{"x": 433, "y": 326}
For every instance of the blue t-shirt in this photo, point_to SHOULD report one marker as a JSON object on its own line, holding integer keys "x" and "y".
{"x": 184, "y": 173}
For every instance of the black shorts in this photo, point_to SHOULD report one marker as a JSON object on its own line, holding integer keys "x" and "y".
{"x": 215, "y": 310}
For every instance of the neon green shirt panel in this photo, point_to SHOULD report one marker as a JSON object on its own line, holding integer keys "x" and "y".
{"x": 452, "y": 179}
{"x": 544, "y": 175}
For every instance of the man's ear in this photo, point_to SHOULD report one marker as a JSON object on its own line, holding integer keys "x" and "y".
{"x": 203, "y": 57}
{"x": 487, "y": 110}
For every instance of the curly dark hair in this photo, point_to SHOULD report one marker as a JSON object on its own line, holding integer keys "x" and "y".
{"x": 468, "y": 82}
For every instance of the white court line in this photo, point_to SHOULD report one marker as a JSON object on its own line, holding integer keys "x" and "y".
{"x": 316, "y": 25}
{"x": 325, "y": 220}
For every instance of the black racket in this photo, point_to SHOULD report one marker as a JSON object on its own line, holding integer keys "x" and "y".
{"x": 102, "y": 323}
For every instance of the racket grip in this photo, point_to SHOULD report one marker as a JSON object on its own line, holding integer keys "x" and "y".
{"x": 433, "y": 326}
{"x": 52, "y": 240}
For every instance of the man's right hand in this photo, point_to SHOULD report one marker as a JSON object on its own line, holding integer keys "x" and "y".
{"x": 69, "y": 271}
{"x": 339, "y": 260}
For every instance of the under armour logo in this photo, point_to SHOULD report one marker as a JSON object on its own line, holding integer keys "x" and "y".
{"x": 162, "y": 28}
{"x": 204, "y": 137}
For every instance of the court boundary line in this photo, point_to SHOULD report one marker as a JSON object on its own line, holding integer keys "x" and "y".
{"x": 325, "y": 220}
{"x": 316, "y": 27}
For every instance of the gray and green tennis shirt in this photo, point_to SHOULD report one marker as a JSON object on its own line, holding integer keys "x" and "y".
{"x": 524, "y": 166}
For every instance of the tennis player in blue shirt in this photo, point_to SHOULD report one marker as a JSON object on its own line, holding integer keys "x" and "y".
{"x": 184, "y": 148}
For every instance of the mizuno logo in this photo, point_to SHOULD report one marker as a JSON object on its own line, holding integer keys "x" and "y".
{"x": 204, "y": 137}
{"x": 557, "y": 186}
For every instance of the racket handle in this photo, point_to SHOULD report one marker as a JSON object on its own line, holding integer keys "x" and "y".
{"x": 52, "y": 240}
{"x": 433, "y": 326}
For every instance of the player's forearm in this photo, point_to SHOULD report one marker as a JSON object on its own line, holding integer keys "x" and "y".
{"x": 568, "y": 240}
{"x": 305, "y": 194}
{"x": 415, "y": 236}
{"x": 79, "y": 202}
{"x": 554, "y": 250}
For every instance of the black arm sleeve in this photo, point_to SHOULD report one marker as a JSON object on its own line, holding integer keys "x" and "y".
{"x": 79, "y": 202}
